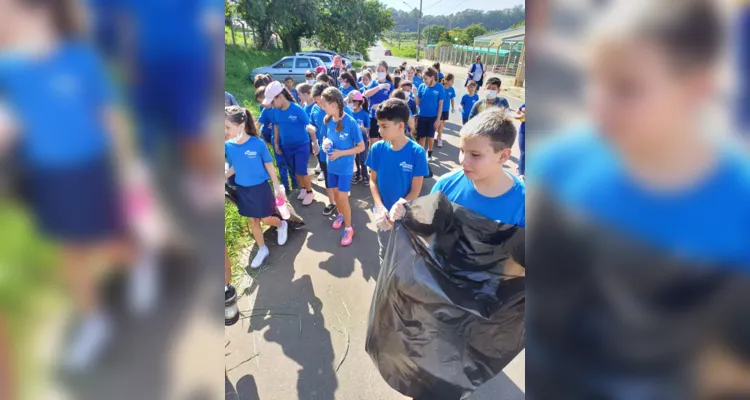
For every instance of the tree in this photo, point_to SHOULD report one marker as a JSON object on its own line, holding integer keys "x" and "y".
{"x": 352, "y": 24}
{"x": 473, "y": 31}
{"x": 432, "y": 33}
{"x": 293, "y": 20}
{"x": 256, "y": 15}
{"x": 496, "y": 20}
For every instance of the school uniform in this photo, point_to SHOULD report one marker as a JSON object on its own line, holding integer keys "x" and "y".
{"x": 362, "y": 117}
{"x": 395, "y": 170}
{"x": 508, "y": 208}
{"x": 294, "y": 140}
{"x": 375, "y": 100}
{"x": 346, "y": 90}
{"x": 295, "y": 94}
{"x": 289, "y": 180}
{"x": 482, "y": 105}
{"x": 467, "y": 103}
{"x": 316, "y": 119}
{"x": 340, "y": 169}
{"x": 430, "y": 97}
{"x": 255, "y": 198}
{"x": 450, "y": 93}
{"x": 65, "y": 147}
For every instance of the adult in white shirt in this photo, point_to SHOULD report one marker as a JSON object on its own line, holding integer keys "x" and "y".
{"x": 476, "y": 72}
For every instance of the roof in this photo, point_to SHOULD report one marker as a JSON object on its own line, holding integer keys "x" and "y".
{"x": 515, "y": 34}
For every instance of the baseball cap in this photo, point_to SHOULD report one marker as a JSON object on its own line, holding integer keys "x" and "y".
{"x": 319, "y": 69}
{"x": 272, "y": 90}
{"x": 357, "y": 96}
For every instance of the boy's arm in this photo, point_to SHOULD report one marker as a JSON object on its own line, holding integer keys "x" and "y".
{"x": 411, "y": 124}
{"x": 374, "y": 189}
{"x": 440, "y": 110}
{"x": 416, "y": 188}
{"x": 276, "y": 139}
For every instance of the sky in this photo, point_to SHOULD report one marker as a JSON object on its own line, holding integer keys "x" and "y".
{"x": 444, "y": 7}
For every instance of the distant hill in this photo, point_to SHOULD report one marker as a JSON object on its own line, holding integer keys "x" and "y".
{"x": 406, "y": 21}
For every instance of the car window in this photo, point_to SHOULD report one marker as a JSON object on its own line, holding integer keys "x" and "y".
{"x": 315, "y": 63}
{"x": 285, "y": 63}
{"x": 325, "y": 58}
{"x": 303, "y": 63}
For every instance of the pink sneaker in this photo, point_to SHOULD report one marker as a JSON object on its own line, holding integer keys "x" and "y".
{"x": 338, "y": 222}
{"x": 347, "y": 236}
{"x": 308, "y": 199}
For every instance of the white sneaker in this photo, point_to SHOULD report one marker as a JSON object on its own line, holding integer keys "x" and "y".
{"x": 144, "y": 283}
{"x": 321, "y": 177}
{"x": 440, "y": 142}
{"x": 89, "y": 342}
{"x": 259, "y": 258}
{"x": 308, "y": 199}
{"x": 301, "y": 195}
{"x": 283, "y": 232}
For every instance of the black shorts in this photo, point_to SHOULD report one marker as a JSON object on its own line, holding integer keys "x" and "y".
{"x": 374, "y": 129}
{"x": 426, "y": 127}
{"x": 444, "y": 116}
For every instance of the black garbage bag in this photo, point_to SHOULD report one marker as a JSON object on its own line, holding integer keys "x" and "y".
{"x": 445, "y": 318}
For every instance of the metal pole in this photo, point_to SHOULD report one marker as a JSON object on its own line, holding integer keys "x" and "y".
{"x": 419, "y": 28}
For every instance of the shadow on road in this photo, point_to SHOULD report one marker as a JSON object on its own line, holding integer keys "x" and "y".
{"x": 246, "y": 389}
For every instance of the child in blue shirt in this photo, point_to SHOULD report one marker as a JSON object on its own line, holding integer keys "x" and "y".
{"x": 289, "y": 84}
{"x": 252, "y": 166}
{"x": 430, "y": 99}
{"x": 342, "y": 142}
{"x": 468, "y": 100}
{"x": 397, "y": 165}
{"x": 408, "y": 87}
{"x": 316, "y": 120}
{"x": 361, "y": 110}
{"x": 402, "y": 95}
{"x": 266, "y": 127}
{"x": 448, "y": 106}
{"x": 378, "y": 91}
{"x": 482, "y": 185}
{"x": 436, "y": 66}
{"x": 348, "y": 84}
{"x": 291, "y": 137}
{"x": 492, "y": 100}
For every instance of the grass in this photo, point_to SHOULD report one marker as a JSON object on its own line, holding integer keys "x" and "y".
{"x": 239, "y": 39}
{"x": 408, "y": 48}
{"x": 239, "y": 61}
{"x": 357, "y": 64}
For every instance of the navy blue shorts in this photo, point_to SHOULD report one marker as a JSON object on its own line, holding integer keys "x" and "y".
{"x": 296, "y": 158}
{"x": 445, "y": 115}
{"x": 426, "y": 127}
{"x": 341, "y": 182}
{"x": 256, "y": 201}
{"x": 77, "y": 205}
{"x": 171, "y": 100}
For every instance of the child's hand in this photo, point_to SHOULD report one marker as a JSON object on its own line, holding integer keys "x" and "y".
{"x": 437, "y": 124}
{"x": 334, "y": 155}
{"x": 381, "y": 219}
{"x": 280, "y": 191}
{"x": 315, "y": 148}
{"x": 398, "y": 210}
{"x": 278, "y": 150}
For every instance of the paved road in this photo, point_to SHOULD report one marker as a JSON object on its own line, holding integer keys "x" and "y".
{"x": 307, "y": 311}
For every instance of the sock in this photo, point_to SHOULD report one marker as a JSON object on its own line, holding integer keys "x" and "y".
{"x": 309, "y": 191}
{"x": 429, "y": 153}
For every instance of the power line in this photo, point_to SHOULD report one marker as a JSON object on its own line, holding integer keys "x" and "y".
{"x": 433, "y": 4}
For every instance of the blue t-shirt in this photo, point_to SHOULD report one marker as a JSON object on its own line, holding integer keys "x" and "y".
{"x": 248, "y": 160}
{"x": 412, "y": 104}
{"x": 59, "y": 101}
{"x": 295, "y": 94}
{"x": 508, "y": 208}
{"x": 309, "y": 108}
{"x": 362, "y": 117}
{"x": 467, "y": 102}
{"x": 417, "y": 81}
{"x": 316, "y": 119}
{"x": 522, "y": 129}
{"x": 292, "y": 124}
{"x": 440, "y": 76}
{"x": 710, "y": 222}
{"x": 266, "y": 124}
{"x": 380, "y": 96}
{"x": 346, "y": 139}
{"x": 430, "y": 97}
{"x": 450, "y": 93}
{"x": 346, "y": 90}
{"x": 482, "y": 105}
{"x": 167, "y": 30}
{"x": 396, "y": 169}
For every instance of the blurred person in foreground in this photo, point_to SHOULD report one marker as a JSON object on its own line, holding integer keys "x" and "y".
{"x": 640, "y": 224}
{"x": 172, "y": 49}
{"x": 84, "y": 185}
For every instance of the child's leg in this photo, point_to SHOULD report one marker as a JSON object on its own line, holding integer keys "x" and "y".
{"x": 227, "y": 267}
{"x": 271, "y": 221}
{"x": 295, "y": 182}
{"x": 430, "y": 142}
{"x": 423, "y": 142}
{"x": 342, "y": 203}
{"x": 284, "y": 177}
{"x": 257, "y": 232}
{"x": 440, "y": 130}
{"x": 331, "y": 196}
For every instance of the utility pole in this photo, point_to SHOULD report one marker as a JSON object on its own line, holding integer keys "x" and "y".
{"x": 419, "y": 28}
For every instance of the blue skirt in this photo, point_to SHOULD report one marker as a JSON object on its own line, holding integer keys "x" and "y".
{"x": 256, "y": 201}
{"x": 77, "y": 205}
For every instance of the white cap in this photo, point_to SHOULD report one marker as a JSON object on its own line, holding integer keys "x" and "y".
{"x": 272, "y": 90}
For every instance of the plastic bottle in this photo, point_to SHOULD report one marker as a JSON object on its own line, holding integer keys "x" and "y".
{"x": 281, "y": 206}
{"x": 327, "y": 145}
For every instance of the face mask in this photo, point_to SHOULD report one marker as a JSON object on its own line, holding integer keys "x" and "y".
{"x": 492, "y": 94}
{"x": 311, "y": 81}
{"x": 381, "y": 76}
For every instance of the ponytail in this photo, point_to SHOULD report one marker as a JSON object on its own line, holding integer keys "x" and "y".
{"x": 333, "y": 95}
{"x": 250, "y": 128}
{"x": 238, "y": 116}
{"x": 288, "y": 95}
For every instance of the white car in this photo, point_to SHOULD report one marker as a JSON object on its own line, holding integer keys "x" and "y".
{"x": 294, "y": 67}
{"x": 355, "y": 55}
{"x": 326, "y": 57}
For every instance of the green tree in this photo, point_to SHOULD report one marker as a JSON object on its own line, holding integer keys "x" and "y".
{"x": 473, "y": 31}
{"x": 432, "y": 33}
{"x": 257, "y": 16}
{"x": 293, "y": 20}
{"x": 352, "y": 24}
